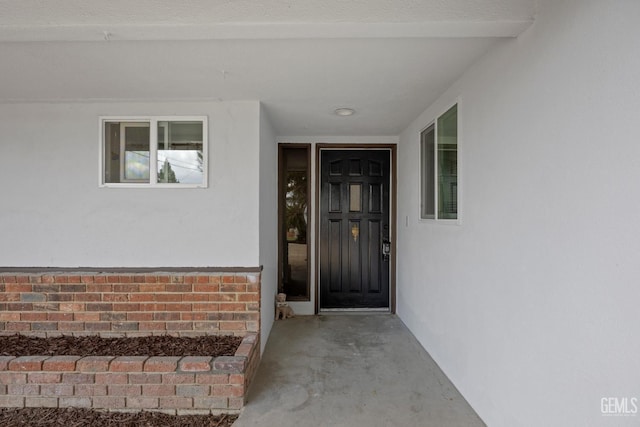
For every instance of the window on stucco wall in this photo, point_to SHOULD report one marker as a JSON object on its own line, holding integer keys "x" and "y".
{"x": 439, "y": 168}
{"x": 153, "y": 152}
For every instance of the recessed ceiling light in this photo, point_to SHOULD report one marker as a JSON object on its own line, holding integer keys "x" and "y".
{"x": 344, "y": 112}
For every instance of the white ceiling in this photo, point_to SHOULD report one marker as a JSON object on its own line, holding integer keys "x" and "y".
{"x": 388, "y": 59}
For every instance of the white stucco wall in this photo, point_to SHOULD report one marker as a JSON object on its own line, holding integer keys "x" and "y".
{"x": 268, "y": 224}
{"x": 530, "y": 306}
{"x": 52, "y": 212}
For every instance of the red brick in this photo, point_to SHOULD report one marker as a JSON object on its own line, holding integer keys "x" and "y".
{"x": 86, "y": 317}
{"x": 161, "y": 364}
{"x": 60, "y": 317}
{"x": 231, "y": 364}
{"x": 164, "y": 279}
{"x": 179, "y": 287}
{"x": 9, "y": 297}
{"x": 91, "y": 390}
{"x": 125, "y": 288}
{"x": 60, "y": 363}
{"x": 179, "y": 326}
{"x": 236, "y": 379}
{"x": 124, "y": 390}
{"x": 4, "y": 362}
{"x": 142, "y": 297}
{"x": 109, "y": 402}
{"x": 241, "y": 278}
{"x": 125, "y": 279}
{"x": 169, "y": 297}
{"x": 172, "y": 378}
{"x": 23, "y": 306}
{"x": 94, "y": 363}
{"x": 208, "y": 287}
{"x": 249, "y": 297}
{"x": 67, "y": 306}
{"x": 97, "y": 326}
{"x": 27, "y": 363}
{"x": 206, "y": 326}
{"x": 113, "y": 279}
{"x": 100, "y": 279}
{"x": 232, "y": 306}
{"x": 176, "y": 402}
{"x": 189, "y": 390}
{"x": 253, "y": 287}
{"x": 33, "y": 317}
{"x": 9, "y": 317}
{"x": 152, "y": 307}
{"x": 100, "y": 287}
{"x": 99, "y": 306}
{"x": 18, "y": 287}
{"x": 24, "y": 389}
{"x": 74, "y": 279}
{"x": 43, "y": 377}
{"x": 40, "y": 402}
{"x": 139, "y": 316}
{"x": 166, "y": 316}
{"x": 70, "y": 326}
{"x": 111, "y": 378}
{"x": 195, "y": 297}
{"x": 233, "y": 326}
{"x": 213, "y": 378}
{"x": 228, "y": 279}
{"x": 138, "y": 278}
{"x": 178, "y": 307}
{"x": 12, "y": 378}
{"x": 76, "y": 378}
{"x": 126, "y": 307}
{"x": 74, "y": 402}
{"x": 206, "y": 306}
{"x": 56, "y": 390}
{"x": 87, "y": 297}
{"x": 158, "y": 390}
{"x": 233, "y": 287}
{"x": 127, "y": 364}
{"x": 144, "y": 378}
{"x": 18, "y": 327}
{"x": 142, "y": 402}
{"x": 227, "y": 390}
{"x": 152, "y": 326}
{"x": 193, "y": 316}
{"x": 195, "y": 364}
{"x": 236, "y": 402}
{"x": 112, "y": 297}
{"x": 87, "y": 279}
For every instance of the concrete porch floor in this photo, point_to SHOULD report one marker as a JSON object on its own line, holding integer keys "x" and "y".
{"x": 351, "y": 370}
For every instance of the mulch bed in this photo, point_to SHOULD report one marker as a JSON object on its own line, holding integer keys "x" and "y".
{"x": 160, "y": 345}
{"x": 74, "y": 417}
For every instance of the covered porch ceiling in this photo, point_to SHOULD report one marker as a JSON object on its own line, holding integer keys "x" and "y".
{"x": 387, "y": 59}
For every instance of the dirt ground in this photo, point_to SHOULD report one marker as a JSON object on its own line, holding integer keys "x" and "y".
{"x": 162, "y": 345}
{"x": 73, "y": 417}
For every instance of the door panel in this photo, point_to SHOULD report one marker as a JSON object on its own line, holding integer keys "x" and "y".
{"x": 354, "y": 221}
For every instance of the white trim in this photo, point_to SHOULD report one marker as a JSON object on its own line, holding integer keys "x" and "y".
{"x": 153, "y": 149}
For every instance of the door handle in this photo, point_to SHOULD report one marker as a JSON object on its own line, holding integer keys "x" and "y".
{"x": 386, "y": 249}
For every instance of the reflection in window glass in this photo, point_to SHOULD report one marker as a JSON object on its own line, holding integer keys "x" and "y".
{"x": 448, "y": 164}
{"x": 180, "y": 158}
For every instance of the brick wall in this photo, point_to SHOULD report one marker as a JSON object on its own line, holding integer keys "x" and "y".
{"x": 130, "y": 304}
{"x": 182, "y": 385}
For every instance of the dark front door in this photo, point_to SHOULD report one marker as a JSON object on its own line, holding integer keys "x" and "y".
{"x": 354, "y": 228}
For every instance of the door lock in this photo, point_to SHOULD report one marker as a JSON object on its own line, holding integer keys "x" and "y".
{"x": 386, "y": 249}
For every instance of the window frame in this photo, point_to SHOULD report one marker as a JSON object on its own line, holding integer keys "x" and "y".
{"x": 152, "y": 121}
{"x": 434, "y": 169}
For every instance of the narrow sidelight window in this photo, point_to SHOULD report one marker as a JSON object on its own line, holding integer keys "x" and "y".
{"x": 439, "y": 168}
